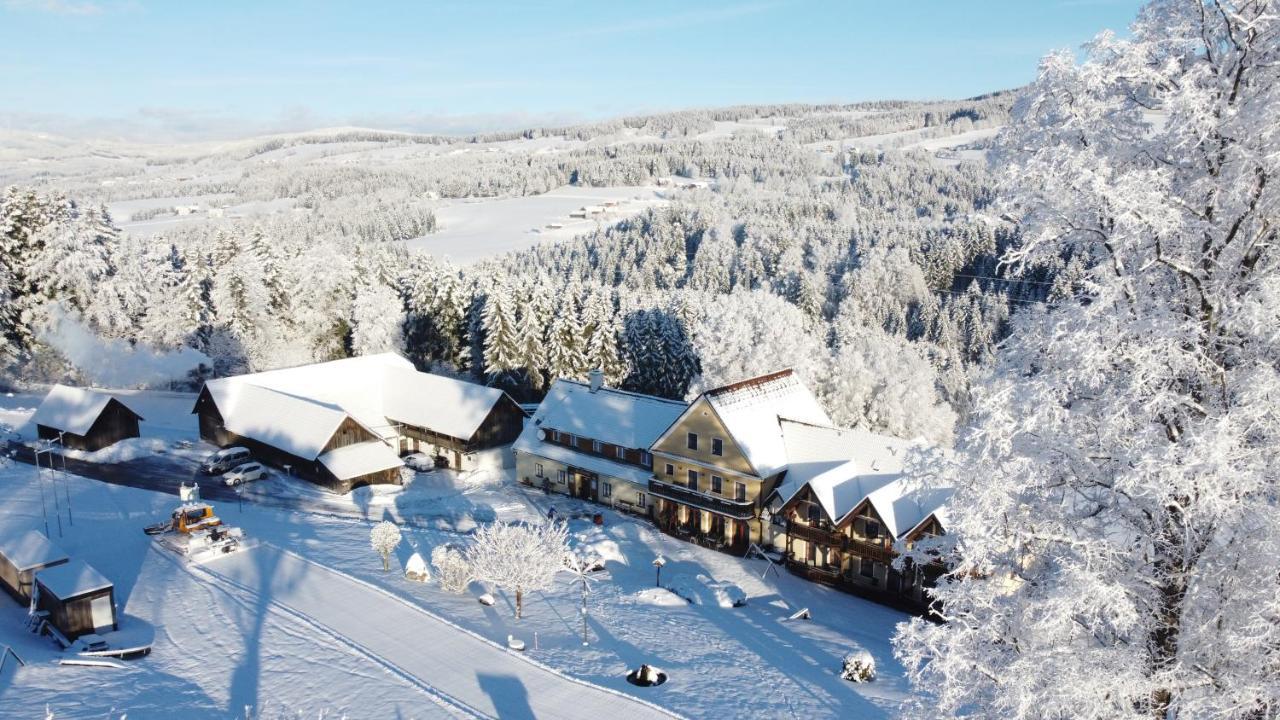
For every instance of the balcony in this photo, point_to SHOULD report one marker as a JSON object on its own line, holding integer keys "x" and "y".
{"x": 736, "y": 509}
{"x": 840, "y": 541}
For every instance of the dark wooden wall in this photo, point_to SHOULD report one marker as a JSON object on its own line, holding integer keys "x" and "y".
{"x": 74, "y": 617}
{"x": 115, "y": 423}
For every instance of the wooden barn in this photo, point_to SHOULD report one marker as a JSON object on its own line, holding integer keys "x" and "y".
{"x": 451, "y": 420}
{"x": 77, "y": 599}
{"x": 84, "y": 419}
{"x": 311, "y": 440}
{"x": 22, "y": 555}
{"x": 311, "y": 418}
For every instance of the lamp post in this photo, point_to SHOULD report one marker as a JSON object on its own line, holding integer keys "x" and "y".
{"x": 66, "y": 486}
{"x": 658, "y": 562}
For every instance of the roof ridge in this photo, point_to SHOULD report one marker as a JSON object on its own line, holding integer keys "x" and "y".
{"x": 750, "y": 382}
{"x": 620, "y": 391}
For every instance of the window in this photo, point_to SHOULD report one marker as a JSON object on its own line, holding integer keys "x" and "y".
{"x": 717, "y": 446}
{"x": 537, "y": 469}
{"x": 563, "y": 477}
{"x": 740, "y": 492}
{"x": 671, "y": 469}
{"x": 867, "y": 568}
{"x": 641, "y": 501}
{"x": 595, "y": 446}
{"x": 555, "y": 436}
{"x": 872, "y": 529}
{"x": 693, "y": 479}
{"x": 572, "y": 440}
{"x": 608, "y": 490}
{"x": 815, "y": 513}
{"x": 620, "y": 451}
{"x": 693, "y": 441}
{"x": 646, "y": 459}
{"x": 717, "y": 484}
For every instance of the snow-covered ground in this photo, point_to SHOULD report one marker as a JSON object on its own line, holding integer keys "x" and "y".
{"x": 225, "y": 639}
{"x": 474, "y": 229}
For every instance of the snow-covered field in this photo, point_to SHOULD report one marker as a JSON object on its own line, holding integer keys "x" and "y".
{"x": 248, "y": 632}
{"x": 474, "y": 229}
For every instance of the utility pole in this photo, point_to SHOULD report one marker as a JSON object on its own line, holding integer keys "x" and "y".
{"x": 53, "y": 477}
{"x": 66, "y": 485}
{"x": 44, "y": 507}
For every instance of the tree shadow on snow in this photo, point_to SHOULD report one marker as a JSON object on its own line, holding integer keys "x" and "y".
{"x": 509, "y": 696}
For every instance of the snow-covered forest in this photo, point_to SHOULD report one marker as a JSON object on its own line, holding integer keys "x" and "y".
{"x": 870, "y": 268}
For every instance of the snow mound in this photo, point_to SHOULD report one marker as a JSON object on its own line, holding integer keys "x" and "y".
{"x": 416, "y": 569}
{"x": 660, "y": 597}
{"x": 122, "y": 451}
{"x": 702, "y": 590}
{"x": 594, "y": 543}
{"x": 858, "y": 667}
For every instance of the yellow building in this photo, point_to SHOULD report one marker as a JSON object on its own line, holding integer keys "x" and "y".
{"x": 592, "y": 442}
{"x": 722, "y": 458}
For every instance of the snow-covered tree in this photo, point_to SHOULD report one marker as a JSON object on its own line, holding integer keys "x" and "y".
{"x": 1116, "y": 525}
{"x": 520, "y": 558}
{"x": 452, "y": 568}
{"x": 377, "y": 320}
{"x": 384, "y": 537}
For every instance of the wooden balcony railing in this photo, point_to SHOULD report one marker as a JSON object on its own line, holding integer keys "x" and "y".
{"x": 738, "y": 510}
{"x": 840, "y": 541}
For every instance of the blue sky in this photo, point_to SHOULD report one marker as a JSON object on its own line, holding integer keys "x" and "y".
{"x": 185, "y": 69}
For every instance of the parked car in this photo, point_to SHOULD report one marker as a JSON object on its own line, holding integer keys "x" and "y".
{"x": 420, "y": 462}
{"x": 226, "y": 459}
{"x": 248, "y": 472}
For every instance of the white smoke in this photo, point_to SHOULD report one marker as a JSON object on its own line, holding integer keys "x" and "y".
{"x": 116, "y": 363}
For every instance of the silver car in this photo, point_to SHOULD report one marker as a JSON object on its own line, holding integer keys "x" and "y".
{"x": 248, "y": 472}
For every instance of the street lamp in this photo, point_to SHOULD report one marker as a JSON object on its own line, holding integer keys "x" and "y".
{"x": 658, "y": 562}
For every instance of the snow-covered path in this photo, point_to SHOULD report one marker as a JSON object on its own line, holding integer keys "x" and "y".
{"x": 462, "y": 668}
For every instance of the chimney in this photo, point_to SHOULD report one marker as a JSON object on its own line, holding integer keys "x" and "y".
{"x": 596, "y": 378}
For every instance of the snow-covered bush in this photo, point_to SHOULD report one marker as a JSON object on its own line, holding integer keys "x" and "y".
{"x": 451, "y": 567}
{"x": 858, "y": 666}
{"x": 520, "y": 557}
{"x": 416, "y": 569}
{"x": 384, "y": 538}
{"x": 700, "y": 589}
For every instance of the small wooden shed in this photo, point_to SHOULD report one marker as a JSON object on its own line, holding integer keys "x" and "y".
{"x": 84, "y": 419}
{"x": 22, "y": 555}
{"x": 78, "y": 599}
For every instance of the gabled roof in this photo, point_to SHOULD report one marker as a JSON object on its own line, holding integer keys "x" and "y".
{"x": 751, "y": 411}
{"x": 359, "y": 459}
{"x": 355, "y": 385}
{"x": 440, "y": 404}
{"x": 72, "y": 579}
{"x": 73, "y": 409}
{"x": 904, "y": 505}
{"x": 845, "y": 467}
{"x": 29, "y": 549}
{"x": 840, "y": 466}
{"x": 296, "y": 425}
{"x": 632, "y": 420}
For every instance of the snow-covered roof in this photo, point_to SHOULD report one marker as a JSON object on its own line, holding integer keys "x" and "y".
{"x": 844, "y": 467}
{"x": 751, "y": 411}
{"x": 360, "y": 459}
{"x": 618, "y": 417}
{"x": 72, "y": 579}
{"x": 299, "y": 426}
{"x": 73, "y": 409}
{"x": 840, "y": 466}
{"x": 374, "y": 390}
{"x": 29, "y": 549}
{"x": 903, "y": 505}
{"x": 353, "y": 384}
{"x": 440, "y": 404}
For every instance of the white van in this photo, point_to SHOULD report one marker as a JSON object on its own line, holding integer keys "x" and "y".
{"x": 226, "y": 459}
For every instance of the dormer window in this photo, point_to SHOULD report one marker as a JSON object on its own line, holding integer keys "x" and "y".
{"x": 596, "y": 446}
{"x": 620, "y": 451}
